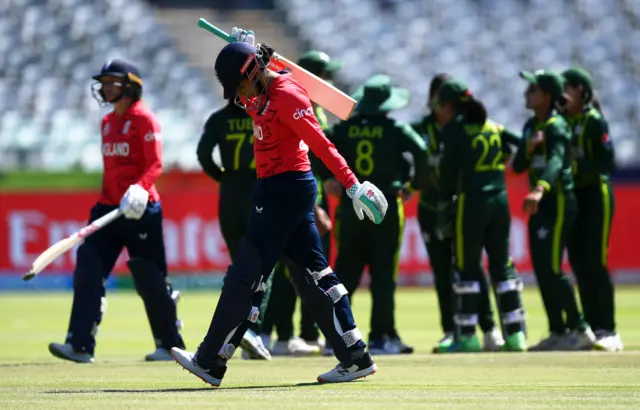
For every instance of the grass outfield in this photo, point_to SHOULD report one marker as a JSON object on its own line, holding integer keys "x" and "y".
{"x": 18, "y": 181}
{"x": 30, "y": 378}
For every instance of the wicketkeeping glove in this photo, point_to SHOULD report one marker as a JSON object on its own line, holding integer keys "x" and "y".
{"x": 369, "y": 200}
{"x": 243, "y": 35}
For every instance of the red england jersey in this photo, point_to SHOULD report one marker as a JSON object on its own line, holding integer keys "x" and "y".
{"x": 131, "y": 153}
{"x": 285, "y": 130}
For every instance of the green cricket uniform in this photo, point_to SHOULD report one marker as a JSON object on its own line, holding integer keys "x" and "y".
{"x": 232, "y": 130}
{"x": 440, "y": 249}
{"x": 472, "y": 168}
{"x": 549, "y": 165}
{"x": 593, "y": 160}
{"x": 373, "y": 145}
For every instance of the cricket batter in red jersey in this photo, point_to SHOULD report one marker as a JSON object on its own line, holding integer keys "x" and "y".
{"x": 282, "y": 220}
{"x": 132, "y": 155}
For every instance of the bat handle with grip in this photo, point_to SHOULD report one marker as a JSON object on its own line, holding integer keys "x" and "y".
{"x": 202, "y": 23}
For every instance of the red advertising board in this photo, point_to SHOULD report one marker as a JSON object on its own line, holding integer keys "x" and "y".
{"x": 32, "y": 222}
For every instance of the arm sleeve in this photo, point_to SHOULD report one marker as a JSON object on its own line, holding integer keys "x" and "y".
{"x": 510, "y": 140}
{"x": 412, "y": 143}
{"x": 152, "y": 152}
{"x": 556, "y": 143}
{"x": 208, "y": 140}
{"x": 310, "y": 131}
{"x": 448, "y": 164}
{"x": 521, "y": 161}
{"x": 602, "y": 151}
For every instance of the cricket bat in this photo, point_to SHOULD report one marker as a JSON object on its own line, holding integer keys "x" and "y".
{"x": 59, "y": 248}
{"x": 320, "y": 91}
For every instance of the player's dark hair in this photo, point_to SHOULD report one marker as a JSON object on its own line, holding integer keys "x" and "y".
{"x": 132, "y": 90}
{"x": 595, "y": 102}
{"x": 436, "y": 83}
{"x": 472, "y": 110}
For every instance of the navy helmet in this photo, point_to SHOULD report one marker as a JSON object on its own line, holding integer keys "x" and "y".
{"x": 131, "y": 80}
{"x": 236, "y": 61}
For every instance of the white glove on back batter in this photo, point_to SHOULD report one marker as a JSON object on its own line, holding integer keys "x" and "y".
{"x": 369, "y": 200}
{"x": 134, "y": 202}
{"x": 243, "y": 35}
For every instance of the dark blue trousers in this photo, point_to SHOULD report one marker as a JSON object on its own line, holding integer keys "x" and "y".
{"x": 282, "y": 223}
{"x": 96, "y": 258}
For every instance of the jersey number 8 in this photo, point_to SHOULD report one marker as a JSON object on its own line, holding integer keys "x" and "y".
{"x": 364, "y": 161}
{"x": 488, "y": 162}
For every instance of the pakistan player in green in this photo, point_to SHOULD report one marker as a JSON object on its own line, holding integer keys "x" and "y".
{"x": 593, "y": 160}
{"x": 372, "y": 144}
{"x": 231, "y": 129}
{"x": 545, "y": 151}
{"x": 440, "y": 250}
{"x": 283, "y": 296}
{"x": 472, "y": 169}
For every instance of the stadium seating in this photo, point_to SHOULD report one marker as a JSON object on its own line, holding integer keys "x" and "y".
{"x": 486, "y": 42}
{"x": 48, "y": 52}
{"x": 50, "y": 48}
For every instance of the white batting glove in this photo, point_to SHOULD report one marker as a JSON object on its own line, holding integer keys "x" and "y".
{"x": 369, "y": 200}
{"x": 243, "y": 35}
{"x": 134, "y": 202}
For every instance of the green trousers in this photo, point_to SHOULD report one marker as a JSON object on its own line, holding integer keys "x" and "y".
{"x": 440, "y": 253}
{"x": 549, "y": 229}
{"x": 361, "y": 243}
{"x": 587, "y": 244}
{"x": 482, "y": 223}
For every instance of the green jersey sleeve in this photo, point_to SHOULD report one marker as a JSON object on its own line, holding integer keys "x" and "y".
{"x": 414, "y": 144}
{"x": 599, "y": 145}
{"x": 521, "y": 161}
{"x": 556, "y": 141}
{"x": 208, "y": 140}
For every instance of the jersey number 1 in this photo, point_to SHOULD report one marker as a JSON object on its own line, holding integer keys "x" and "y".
{"x": 487, "y": 143}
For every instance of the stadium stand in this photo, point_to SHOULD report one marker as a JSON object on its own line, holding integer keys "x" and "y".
{"x": 50, "y": 48}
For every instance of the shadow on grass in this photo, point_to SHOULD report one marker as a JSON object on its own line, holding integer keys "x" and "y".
{"x": 183, "y": 390}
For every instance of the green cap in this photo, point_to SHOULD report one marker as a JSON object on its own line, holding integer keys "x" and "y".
{"x": 377, "y": 96}
{"x": 317, "y": 62}
{"x": 548, "y": 81}
{"x": 452, "y": 90}
{"x": 578, "y": 76}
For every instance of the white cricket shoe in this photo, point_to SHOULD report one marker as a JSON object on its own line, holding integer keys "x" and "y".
{"x": 493, "y": 340}
{"x": 188, "y": 362}
{"x": 65, "y": 351}
{"x": 159, "y": 355}
{"x": 546, "y": 345}
{"x": 252, "y": 344}
{"x": 266, "y": 342}
{"x": 362, "y": 367}
{"x": 577, "y": 340}
{"x": 295, "y": 346}
{"x": 608, "y": 341}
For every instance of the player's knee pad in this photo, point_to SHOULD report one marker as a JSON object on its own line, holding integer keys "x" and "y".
{"x": 467, "y": 295}
{"x": 508, "y": 296}
{"x": 88, "y": 273}
{"x": 245, "y": 274}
